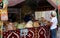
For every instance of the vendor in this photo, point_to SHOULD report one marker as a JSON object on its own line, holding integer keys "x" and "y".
{"x": 28, "y": 20}
{"x": 54, "y": 23}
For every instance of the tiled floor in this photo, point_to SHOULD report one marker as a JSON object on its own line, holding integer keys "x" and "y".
{"x": 58, "y": 33}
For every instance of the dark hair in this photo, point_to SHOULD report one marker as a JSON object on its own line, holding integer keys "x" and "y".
{"x": 27, "y": 18}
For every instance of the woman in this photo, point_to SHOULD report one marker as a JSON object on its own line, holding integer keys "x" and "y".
{"x": 28, "y": 21}
{"x": 54, "y": 23}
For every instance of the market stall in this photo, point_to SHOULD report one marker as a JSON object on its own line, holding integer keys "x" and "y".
{"x": 39, "y": 27}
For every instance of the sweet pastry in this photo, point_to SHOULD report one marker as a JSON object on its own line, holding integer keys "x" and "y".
{"x": 20, "y": 26}
{"x": 36, "y": 24}
{"x": 29, "y": 24}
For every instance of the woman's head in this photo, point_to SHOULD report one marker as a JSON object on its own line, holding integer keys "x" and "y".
{"x": 43, "y": 19}
{"x": 53, "y": 13}
{"x": 27, "y": 18}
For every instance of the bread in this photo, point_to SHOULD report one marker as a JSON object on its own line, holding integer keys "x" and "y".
{"x": 36, "y": 24}
{"x": 29, "y": 24}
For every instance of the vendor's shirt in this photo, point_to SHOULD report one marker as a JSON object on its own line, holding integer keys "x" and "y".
{"x": 42, "y": 24}
{"x": 54, "y": 23}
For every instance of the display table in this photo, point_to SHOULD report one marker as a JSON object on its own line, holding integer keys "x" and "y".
{"x": 36, "y": 32}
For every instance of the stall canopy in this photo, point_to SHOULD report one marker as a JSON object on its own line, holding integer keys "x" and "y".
{"x": 14, "y": 2}
{"x": 46, "y": 5}
{"x": 35, "y": 4}
{"x": 57, "y": 2}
